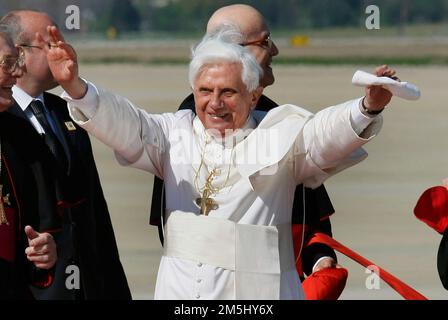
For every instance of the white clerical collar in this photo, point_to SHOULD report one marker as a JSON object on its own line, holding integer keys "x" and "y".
{"x": 228, "y": 141}
{"x": 23, "y": 99}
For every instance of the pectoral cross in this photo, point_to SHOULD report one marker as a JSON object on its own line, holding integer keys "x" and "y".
{"x": 5, "y": 199}
{"x": 206, "y": 203}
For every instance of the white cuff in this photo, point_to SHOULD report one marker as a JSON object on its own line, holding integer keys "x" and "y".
{"x": 85, "y": 108}
{"x": 358, "y": 120}
{"x": 319, "y": 260}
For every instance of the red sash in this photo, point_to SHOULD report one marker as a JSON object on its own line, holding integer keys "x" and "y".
{"x": 297, "y": 232}
{"x": 8, "y": 236}
{"x": 402, "y": 288}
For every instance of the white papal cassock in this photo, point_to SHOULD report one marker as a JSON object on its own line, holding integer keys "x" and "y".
{"x": 243, "y": 248}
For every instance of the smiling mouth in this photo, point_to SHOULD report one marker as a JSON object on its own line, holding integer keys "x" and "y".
{"x": 218, "y": 115}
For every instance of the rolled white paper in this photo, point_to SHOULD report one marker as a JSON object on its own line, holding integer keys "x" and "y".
{"x": 403, "y": 90}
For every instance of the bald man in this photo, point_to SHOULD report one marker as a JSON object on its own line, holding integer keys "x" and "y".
{"x": 87, "y": 243}
{"x": 317, "y": 206}
{"x": 253, "y": 26}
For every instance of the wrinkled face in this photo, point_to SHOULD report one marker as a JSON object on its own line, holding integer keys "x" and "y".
{"x": 222, "y": 99}
{"x": 8, "y": 55}
{"x": 264, "y": 49}
{"x": 37, "y": 71}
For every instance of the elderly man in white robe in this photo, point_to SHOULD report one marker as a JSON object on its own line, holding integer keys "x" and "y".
{"x": 230, "y": 173}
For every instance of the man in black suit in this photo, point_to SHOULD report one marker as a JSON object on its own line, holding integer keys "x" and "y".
{"x": 27, "y": 201}
{"x": 317, "y": 205}
{"x": 87, "y": 246}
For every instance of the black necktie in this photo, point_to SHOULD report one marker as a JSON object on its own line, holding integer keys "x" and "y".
{"x": 50, "y": 138}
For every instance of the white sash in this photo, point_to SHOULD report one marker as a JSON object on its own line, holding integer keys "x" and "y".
{"x": 257, "y": 254}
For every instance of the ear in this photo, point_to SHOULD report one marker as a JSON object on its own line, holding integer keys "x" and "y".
{"x": 256, "y": 94}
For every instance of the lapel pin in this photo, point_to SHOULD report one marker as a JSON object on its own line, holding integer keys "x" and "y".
{"x": 70, "y": 126}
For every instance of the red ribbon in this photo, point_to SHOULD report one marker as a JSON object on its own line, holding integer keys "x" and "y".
{"x": 402, "y": 288}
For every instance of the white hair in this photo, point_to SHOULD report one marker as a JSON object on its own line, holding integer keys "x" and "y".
{"x": 223, "y": 45}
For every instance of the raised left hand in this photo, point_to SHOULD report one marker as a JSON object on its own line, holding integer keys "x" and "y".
{"x": 377, "y": 98}
{"x": 42, "y": 248}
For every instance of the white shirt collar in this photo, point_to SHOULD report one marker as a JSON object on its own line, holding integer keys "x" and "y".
{"x": 23, "y": 99}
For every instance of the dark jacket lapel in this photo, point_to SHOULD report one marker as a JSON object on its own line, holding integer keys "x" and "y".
{"x": 30, "y": 161}
{"x": 17, "y": 111}
{"x": 58, "y": 111}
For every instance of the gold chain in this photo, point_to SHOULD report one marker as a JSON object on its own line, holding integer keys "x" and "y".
{"x": 208, "y": 191}
{"x": 211, "y": 174}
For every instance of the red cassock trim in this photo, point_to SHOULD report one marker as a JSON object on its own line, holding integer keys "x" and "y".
{"x": 44, "y": 281}
{"x": 8, "y": 236}
{"x": 297, "y": 232}
{"x": 326, "y": 284}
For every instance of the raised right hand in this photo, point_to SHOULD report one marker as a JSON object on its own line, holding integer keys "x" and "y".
{"x": 63, "y": 63}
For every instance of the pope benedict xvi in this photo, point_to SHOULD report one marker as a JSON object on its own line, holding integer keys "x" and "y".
{"x": 230, "y": 172}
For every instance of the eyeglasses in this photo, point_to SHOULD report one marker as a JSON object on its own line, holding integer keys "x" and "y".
{"x": 31, "y": 46}
{"x": 266, "y": 42}
{"x": 9, "y": 64}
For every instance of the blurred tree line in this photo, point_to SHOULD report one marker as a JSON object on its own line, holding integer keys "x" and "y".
{"x": 192, "y": 15}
